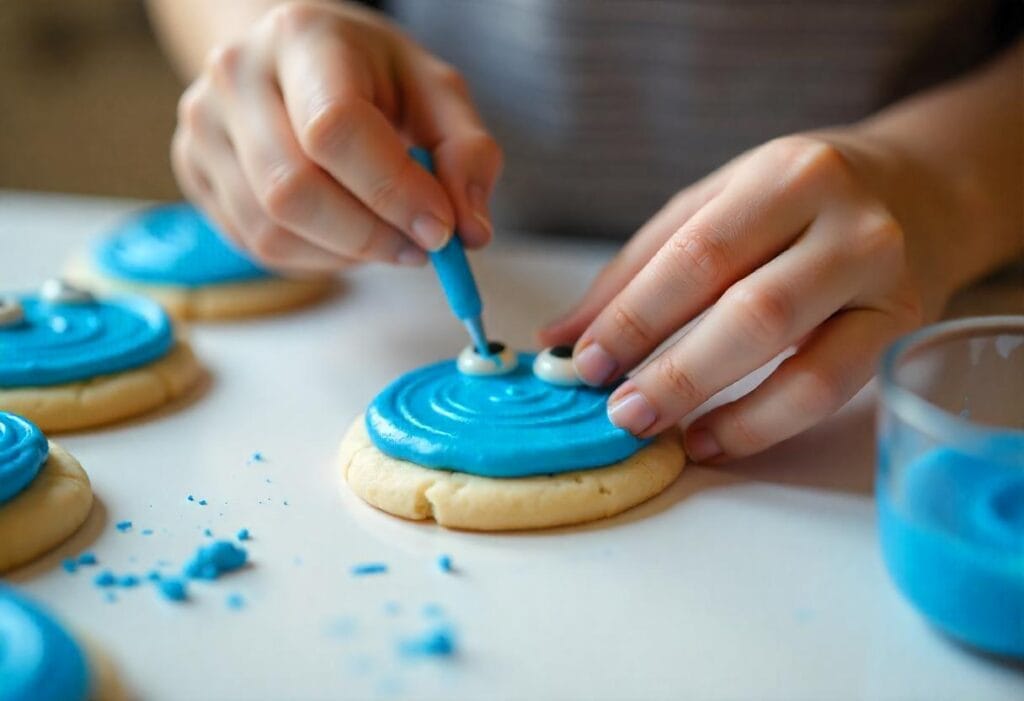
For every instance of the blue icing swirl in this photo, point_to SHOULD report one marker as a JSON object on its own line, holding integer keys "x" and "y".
{"x": 172, "y": 244}
{"x": 39, "y": 660}
{"x": 509, "y": 425}
{"x": 59, "y": 343}
{"x": 23, "y": 450}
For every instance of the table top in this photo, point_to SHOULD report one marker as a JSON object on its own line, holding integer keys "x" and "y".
{"x": 762, "y": 579}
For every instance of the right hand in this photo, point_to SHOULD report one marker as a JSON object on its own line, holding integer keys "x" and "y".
{"x": 294, "y": 141}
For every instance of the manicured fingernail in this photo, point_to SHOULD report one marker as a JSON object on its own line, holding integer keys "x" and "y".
{"x": 633, "y": 413}
{"x": 430, "y": 231}
{"x": 702, "y": 445}
{"x": 477, "y": 197}
{"x": 412, "y": 256}
{"x": 594, "y": 365}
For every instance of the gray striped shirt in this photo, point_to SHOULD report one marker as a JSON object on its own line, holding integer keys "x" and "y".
{"x": 606, "y": 108}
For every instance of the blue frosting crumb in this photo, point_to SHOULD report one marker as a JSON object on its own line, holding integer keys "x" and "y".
{"x": 436, "y": 642}
{"x": 191, "y": 498}
{"x": 444, "y": 563}
{"x": 202, "y": 502}
{"x": 235, "y": 602}
{"x": 243, "y": 534}
{"x": 213, "y": 560}
{"x": 128, "y": 580}
{"x": 69, "y": 564}
{"x": 207, "y": 532}
{"x": 87, "y": 559}
{"x": 147, "y": 531}
{"x": 369, "y": 568}
{"x": 105, "y": 578}
{"x": 124, "y": 526}
{"x": 171, "y": 588}
{"x": 257, "y": 457}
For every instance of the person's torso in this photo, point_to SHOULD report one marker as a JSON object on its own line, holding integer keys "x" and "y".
{"x": 605, "y": 108}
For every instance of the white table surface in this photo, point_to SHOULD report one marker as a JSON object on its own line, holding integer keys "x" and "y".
{"x": 762, "y": 580}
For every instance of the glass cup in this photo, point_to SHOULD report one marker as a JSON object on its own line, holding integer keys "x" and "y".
{"x": 950, "y": 482}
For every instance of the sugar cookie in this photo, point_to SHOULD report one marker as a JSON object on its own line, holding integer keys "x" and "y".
{"x": 172, "y": 254}
{"x": 74, "y": 365}
{"x": 500, "y": 451}
{"x": 44, "y": 493}
{"x": 41, "y": 661}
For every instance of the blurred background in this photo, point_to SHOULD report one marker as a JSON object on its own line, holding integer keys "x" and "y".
{"x": 87, "y": 102}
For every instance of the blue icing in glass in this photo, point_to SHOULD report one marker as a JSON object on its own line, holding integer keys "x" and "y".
{"x": 39, "y": 661}
{"x": 59, "y": 343}
{"x": 953, "y": 539}
{"x": 509, "y": 425}
{"x": 23, "y": 450}
{"x": 172, "y": 244}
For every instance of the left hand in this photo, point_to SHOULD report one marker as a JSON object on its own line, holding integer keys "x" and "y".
{"x": 792, "y": 244}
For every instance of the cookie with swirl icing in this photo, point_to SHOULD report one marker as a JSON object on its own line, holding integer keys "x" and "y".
{"x": 40, "y": 660}
{"x": 44, "y": 492}
{"x": 69, "y": 361}
{"x": 172, "y": 253}
{"x": 504, "y": 448}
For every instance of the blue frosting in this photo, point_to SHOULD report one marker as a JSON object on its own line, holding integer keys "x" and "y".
{"x": 59, "y": 343}
{"x": 172, "y": 244}
{"x": 23, "y": 451}
{"x": 39, "y": 661}
{"x": 508, "y": 425}
{"x": 211, "y": 561}
{"x": 953, "y": 538}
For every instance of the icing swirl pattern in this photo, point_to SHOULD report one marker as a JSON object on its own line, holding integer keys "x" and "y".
{"x": 59, "y": 343}
{"x": 23, "y": 450}
{"x": 39, "y": 661}
{"x": 509, "y": 425}
{"x": 172, "y": 244}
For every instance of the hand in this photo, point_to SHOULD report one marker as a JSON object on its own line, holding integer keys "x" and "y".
{"x": 294, "y": 140}
{"x": 789, "y": 244}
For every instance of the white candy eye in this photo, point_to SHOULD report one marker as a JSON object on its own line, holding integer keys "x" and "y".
{"x": 11, "y": 313}
{"x": 554, "y": 365}
{"x": 57, "y": 291}
{"x": 500, "y": 361}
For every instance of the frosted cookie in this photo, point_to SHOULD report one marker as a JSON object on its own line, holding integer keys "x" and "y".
{"x": 495, "y": 446}
{"x": 172, "y": 254}
{"x": 69, "y": 361}
{"x": 41, "y": 661}
{"x": 44, "y": 493}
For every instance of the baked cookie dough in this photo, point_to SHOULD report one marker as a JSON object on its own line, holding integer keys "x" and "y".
{"x": 471, "y": 502}
{"x": 73, "y": 365}
{"x": 41, "y": 661}
{"x": 173, "y": 255}
{"x": 45, "y": 494}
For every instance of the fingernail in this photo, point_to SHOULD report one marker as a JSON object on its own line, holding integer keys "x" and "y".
{"x": 477, "y": 197}
{"x": 431, "y": 231}
{"x": 411, "y": 255}
{"x": 594, "y": 365}
{"x": 702, "y": 445}
{"x": 632, "y": 413}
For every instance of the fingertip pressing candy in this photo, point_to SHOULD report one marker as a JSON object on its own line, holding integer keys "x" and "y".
{"x": 499, "y": 361}
{"x": 555, "y": 365}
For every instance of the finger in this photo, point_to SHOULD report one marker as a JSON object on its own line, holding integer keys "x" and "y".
{"x": 244, "y": 220}
{"x": 439, "y": 113}
{"x": 292, "y": 190}
{"x": 755, "y": 320}
{"x": 630, "y": 260}
{"x": 808, "y": 387}
{"x": 324, "y": 84}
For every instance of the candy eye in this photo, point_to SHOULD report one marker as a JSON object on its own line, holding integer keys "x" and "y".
{"x": 500, "y": 361}
{"x": 11, "y": 313}
{"x": 554, "y": 365}
{"x": 57, "y": 291}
